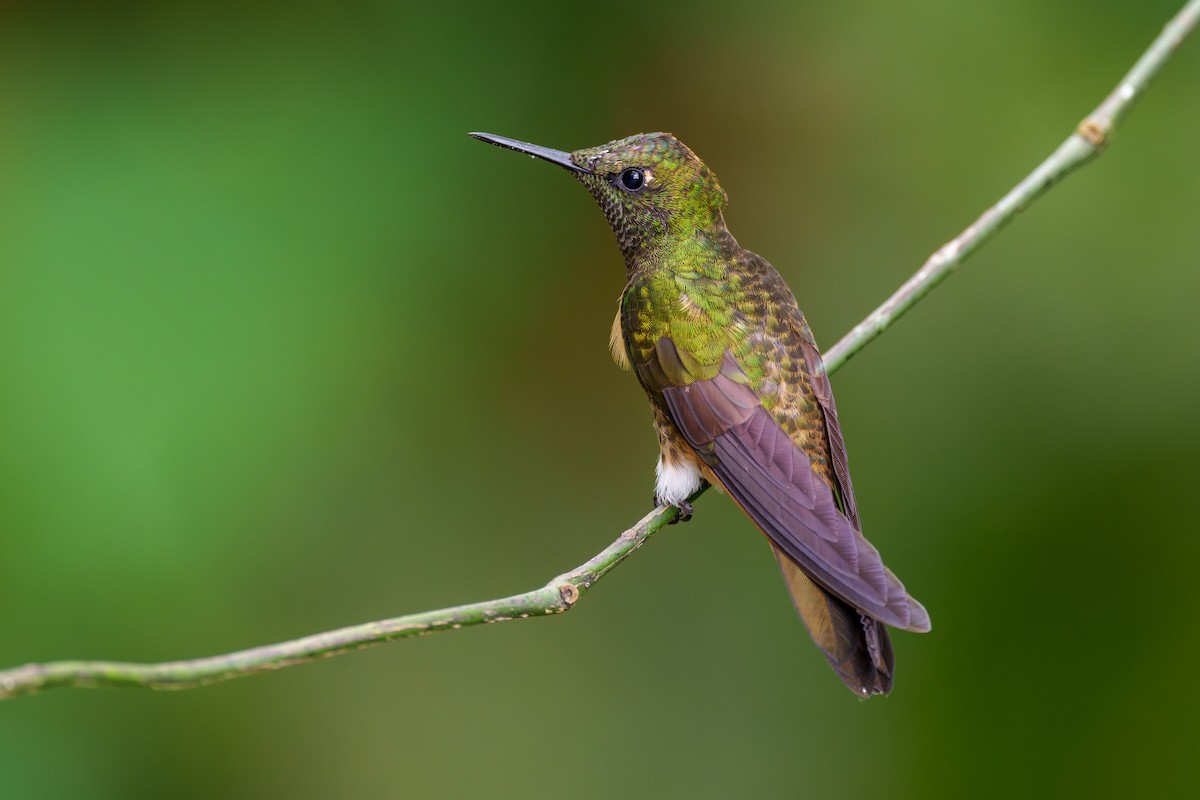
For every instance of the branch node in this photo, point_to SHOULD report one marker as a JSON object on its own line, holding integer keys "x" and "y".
{"x": 1094, "y": 131}
{"x": 569, "y": 593}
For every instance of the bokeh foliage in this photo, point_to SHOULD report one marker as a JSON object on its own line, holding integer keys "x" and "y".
{"x": 282, "y": 349}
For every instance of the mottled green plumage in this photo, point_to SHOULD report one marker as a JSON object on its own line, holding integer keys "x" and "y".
{"x": 718, "y": 343}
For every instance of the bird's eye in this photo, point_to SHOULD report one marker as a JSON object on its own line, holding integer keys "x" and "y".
{"x": 633, "y": 179}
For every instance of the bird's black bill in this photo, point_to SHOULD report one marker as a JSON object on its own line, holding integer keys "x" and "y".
{"x": 532, "y": 150}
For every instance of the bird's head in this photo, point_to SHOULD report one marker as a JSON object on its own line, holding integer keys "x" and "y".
{"x": 651, "y": 187}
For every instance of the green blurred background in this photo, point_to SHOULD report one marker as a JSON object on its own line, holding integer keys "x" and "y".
{"x": 281, "y": 349}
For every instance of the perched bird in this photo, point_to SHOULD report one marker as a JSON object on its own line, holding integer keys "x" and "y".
{"x": 739, "y": 393}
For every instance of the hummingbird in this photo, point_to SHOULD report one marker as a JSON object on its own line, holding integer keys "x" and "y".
{"x": 739, "y": 393}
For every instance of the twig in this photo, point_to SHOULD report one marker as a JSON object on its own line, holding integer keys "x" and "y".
{"x": 1085, "y": 143}
{"x": 561, "y": 593}
{"x": 555, "y": 597}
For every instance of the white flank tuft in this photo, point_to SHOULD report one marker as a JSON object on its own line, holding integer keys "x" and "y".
{"x": 676, "y": 482}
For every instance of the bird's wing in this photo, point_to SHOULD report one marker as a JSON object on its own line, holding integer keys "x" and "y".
{"x": 804, "y": 505}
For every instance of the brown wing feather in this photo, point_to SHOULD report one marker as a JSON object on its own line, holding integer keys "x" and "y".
{"x": 857, "y": 646}
{"x": 773, "y": 481}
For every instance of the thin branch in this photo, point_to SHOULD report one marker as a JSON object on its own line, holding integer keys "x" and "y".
{"x": 555, "y": 597}
{"x": 1087, "y": 142}
{"x": 561, "y": 593}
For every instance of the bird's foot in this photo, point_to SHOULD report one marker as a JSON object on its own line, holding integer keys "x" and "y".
{"x": 684, "y": 512}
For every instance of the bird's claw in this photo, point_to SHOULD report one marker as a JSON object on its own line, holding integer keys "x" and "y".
{"x": 685, "y": 509}
{"x": 685, "y": 512}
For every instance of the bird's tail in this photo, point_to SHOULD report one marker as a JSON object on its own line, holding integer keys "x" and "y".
{"x": 857, "y": 646}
